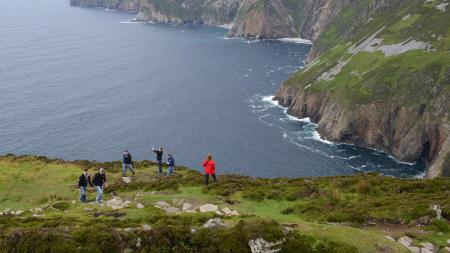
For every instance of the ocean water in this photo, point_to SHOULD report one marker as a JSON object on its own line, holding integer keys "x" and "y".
{"x": 81, "y": 83}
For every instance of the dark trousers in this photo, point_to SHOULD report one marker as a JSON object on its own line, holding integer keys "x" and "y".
{"x": 159, "y": 166}
{"x": 207, "y": 178}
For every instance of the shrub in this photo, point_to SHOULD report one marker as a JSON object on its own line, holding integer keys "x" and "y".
{"x": 362, "y": 187}
{"x": 440, "y": 226}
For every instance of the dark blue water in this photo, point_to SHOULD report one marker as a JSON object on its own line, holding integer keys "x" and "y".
{"x": 83, "y": 84}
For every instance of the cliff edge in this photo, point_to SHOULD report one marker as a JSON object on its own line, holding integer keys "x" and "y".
{"x": 379, "y": 77}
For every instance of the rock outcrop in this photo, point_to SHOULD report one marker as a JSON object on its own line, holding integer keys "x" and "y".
{"x": 381, "y": 82}
{"x": 247, "y": 18}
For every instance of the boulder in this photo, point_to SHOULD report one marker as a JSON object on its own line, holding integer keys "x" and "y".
{"x": 146, "y": 227}
{"x": 140, "y": 206}
{"x": 260, "y": 245}
{"x": 212, "y": 223}
{"x": 425, "y": 250}
{"x": 405, "y": 241}
{"x": 414, "y": 249}
{"x": 162, "y": 204}
{"x": 126, "y": 203}
{"x": 116, "y": 201}
{"x": 186, "y": 206}
{"x": 447, "y": 249}
{"x": 427, "y": 246}
{"x": 209, "y": 208}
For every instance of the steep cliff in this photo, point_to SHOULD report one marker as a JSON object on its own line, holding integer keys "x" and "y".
{"x": 379, "y": 77}
{"x": 249, "y": 18}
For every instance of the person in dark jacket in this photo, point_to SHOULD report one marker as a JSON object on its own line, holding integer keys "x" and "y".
{"x": 159, "y": 157}
{"x": 99, "y": 183}
{"x": 127, "y": 163}
{"x": 171, "y": 164}
{"x": 83, "y": 181}
{"x": 210, "y": 168}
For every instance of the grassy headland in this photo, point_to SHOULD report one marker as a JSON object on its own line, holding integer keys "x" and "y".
{"x": 330, "y": 214}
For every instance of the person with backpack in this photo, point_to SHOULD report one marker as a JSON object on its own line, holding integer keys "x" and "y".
{"x": 159, "y": 157}
{"x": 127, "y": 163}
{"x": 210, "y": 168}
{"x": 83, "y": 181}
{"x": 99, "y": 183}
{"x": 171, "y": 164}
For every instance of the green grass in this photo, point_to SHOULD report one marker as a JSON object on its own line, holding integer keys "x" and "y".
{"x": 307, "y": 205}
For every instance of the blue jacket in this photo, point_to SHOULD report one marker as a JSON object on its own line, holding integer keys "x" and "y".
{"x": 171, "y": 161}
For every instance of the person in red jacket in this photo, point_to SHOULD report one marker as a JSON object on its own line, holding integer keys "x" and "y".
{"x": 210, "y": 168}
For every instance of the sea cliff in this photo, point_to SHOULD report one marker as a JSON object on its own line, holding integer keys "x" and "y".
{"x": 379, "y": 77}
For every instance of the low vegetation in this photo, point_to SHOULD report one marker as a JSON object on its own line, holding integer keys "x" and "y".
{"x": 334, "y": 214}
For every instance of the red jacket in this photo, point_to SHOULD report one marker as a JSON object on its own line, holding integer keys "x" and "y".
{"x": 210, "y": 167}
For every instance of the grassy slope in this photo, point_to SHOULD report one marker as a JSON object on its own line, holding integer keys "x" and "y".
{"x": 308, "y": 205}
{"x": 411, "y": 79}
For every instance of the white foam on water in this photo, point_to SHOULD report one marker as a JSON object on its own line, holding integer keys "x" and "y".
{"x": 226, "y": 26}
{"x": 296, "y": 41}
{"x": 316, "y": 136}
{"x": 401, "y": 162}
{"x": 421, "y": 175}
{"x": 133, "y": 21}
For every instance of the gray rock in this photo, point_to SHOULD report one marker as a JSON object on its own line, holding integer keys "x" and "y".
{"x": 414, "y": 249}
{"x": 212, "y": 223}
{"x": 425, "y": 250}
{"x": 427, "y": 246}
{"x": 139, "y": 205}
{"x": 260, "y": 245}
{"x": 146, "y": 227}
{"x": 209, "y": 208}
{"x": 126, "y": 203}
{"x": 186, "y": 206}
{"x": 405, "y": 241}
{"x": 162, "y": 204}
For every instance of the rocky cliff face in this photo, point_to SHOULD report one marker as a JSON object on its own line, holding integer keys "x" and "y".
{"x": 379, "y": 78}
{"x": 249, "y": 18}
{"x": 122, "y": 5}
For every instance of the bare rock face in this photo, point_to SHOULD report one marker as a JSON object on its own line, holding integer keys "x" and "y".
{"x": 407, "y": 135}
{"x": 248, "y": 18}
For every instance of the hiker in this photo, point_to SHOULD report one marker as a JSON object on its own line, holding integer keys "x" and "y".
{"x": 100, "y": 183}
{"x": 171, "y": 164}
{"x": 83, "y": 181}
{"x": 127, "y": 163}
{"x": 210, "y": 168}
{"x": 159, "y": 156}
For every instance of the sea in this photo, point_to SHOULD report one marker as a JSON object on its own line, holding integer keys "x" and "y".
{"x": 78, "y": 83}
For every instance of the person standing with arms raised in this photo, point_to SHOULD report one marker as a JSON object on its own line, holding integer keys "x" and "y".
{"x": 210, "y": 168}
{"x": 159, "y": 157}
